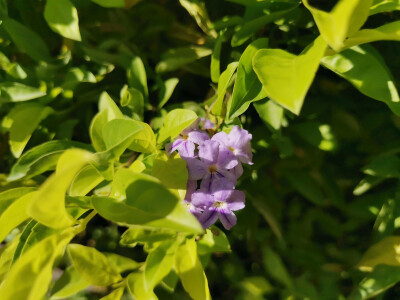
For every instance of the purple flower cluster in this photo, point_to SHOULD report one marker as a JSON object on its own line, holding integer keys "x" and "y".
{"x": 214, "y": 164}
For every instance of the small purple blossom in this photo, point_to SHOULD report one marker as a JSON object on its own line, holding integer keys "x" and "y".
{"x": 219, "y": 203}
{"x": 186, "y": 142}
{"x": 217, "y": 163}
{"x": 237, "y": 141}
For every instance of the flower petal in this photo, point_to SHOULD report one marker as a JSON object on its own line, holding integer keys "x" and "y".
{"x": 227, "y": 218}
{"x": 226, "y": 159}
{"x": 198, "y": 137}
{"x": 222, "y": 138}
{"x": 196, "y": 168}
{"x": 190, "y": 189}
{"x": 236, "y": 200}
{"x": 186, "y": 149}
{"x": 209, "y": 151}
{"x": 237, "y": 171}
{"x": 208, "y": 217}
{"x": 239, "y": 138}
{"x": 171, "y": 147}
{"x": 222, "y": 189}
{"x": 202, "y": 198}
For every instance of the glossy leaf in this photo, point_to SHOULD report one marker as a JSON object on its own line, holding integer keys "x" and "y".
{"x": 15, "y": 214}
{"x": 18, "y": 92}
{"x": 135, "y": 283}
{"x": 270, "y": 112}
{"x": 365, "y": 69}
{"x": 110, "y": 3}
{"x": 68, "y": 284}
{"x": 223, "y": 84}
{"x": 140, "y": 235}
{"x": 142, "y": 207}
{"x": 166, "y": 91}
{"x": 62, "y": 17}
{"x": 27, "y": 40}
{"x": 190, "y": 271}
{"x": 115, "y": 294}
{"x": 86, "y": 180}
{"x": 35, "y": 266}
{"x": 247, "y": 86}
{"x": 175, "y": 122}
{"x": 41, "y": 158}
{"x": 122, "y": 263}
{"x": 137, "y": 77}
{"x": 344, "y": 20}
{"x": 276, "y": 68}
{"x": 9, "y": 196}
{"x": 25, "y": 118}
{"x": 48, "y": 206}
{"x": 158, "y": 264}
{"x": 379, "y": 6}
{"x": 215, "y": 59}
{"x": 214, "y": 240}
{"x": 93, "y": 265}
{"x": 171, "y": 172}
{"x": 387, "y": 32}
{"x": 384, "y": 252}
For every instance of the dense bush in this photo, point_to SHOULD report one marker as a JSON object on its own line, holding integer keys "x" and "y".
{"x": 96, "y": 96}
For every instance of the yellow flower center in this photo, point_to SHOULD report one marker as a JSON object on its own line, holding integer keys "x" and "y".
{"x": 219, "y": 204}
{"x": 212, "y": 169}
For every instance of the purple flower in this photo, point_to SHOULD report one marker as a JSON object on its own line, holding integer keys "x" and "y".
{"x": 207, "y": 124}
{"x": 185, "y": 143}
{"x": 237, "y": 141}
{"x": 219, "y": 203}
{"x": 214, "y": 163}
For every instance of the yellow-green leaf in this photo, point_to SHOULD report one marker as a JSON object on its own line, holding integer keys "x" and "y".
{"x": 62, "y": 17}
{"x": 345, "y": 19}
{"x": 190, "y": 271}
{"x": 176, "y": 121}
{"x": 93, "y": 265}
{"x": 287, "y": 77}
{"x": 48, "y": 206}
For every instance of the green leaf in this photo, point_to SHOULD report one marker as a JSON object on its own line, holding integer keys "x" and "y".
{"x": 214, "y": 240}
{"x": 345, "y": 19}
{"x": 110, "y": 3}
{"x": 215, "y": 58}
{"x": 176, "y": 58}
{"x": 270, "y": 112}
{"x": 48, "y": 206}
{"x": 197, "y": 9}
{"x": 379, "y": 6}
{"x": 175, "y": 122}
{"x": 120, "y": 134}
{"x": 190, "y": 271}
{"x": 9, "y": 196}
{"x": 27, "y": 40}
{"x": 135, "y": 283}
{"x": 247, "y": 86}
{"x": 379, "y": 280}
{"x": 141, "y": 235}
{"x": 68, "y": 284}
{"x": 122, "y": 263}
{"x": 159, "y": 263}
{"x": 387, "y": 32}
{"x": 15, "y": 214}
{"x": 276, "y": 68}
{"x": 62, "y": 17}
{"x": 365, "y": 69}
{"x": 223, "y": 84}
{"x": 171, "y": 172}
{"x": 384, "y": 252}
{"x": 18, "y": 92}
{"x": 6, "y": 257}
{"x": 93, "y": 265}
{"x": 115, "y": 294}
{"x": 86, "y": 180}
{"x": 166, "y": 91}
{"x": 142, "y": 206}
{"x": 273, "y": 11}
{"x": 275, "y": 267}
{"x": 41, "y": 158}
{"x": 137, "y": 78}
{"x": 25, "y": 118}
{"x": 35, "y": 267}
